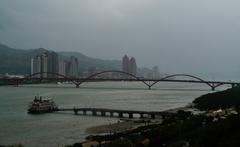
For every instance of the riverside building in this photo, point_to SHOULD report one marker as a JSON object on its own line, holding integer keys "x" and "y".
{"x": 129, "y": 65}
{"x": 52, "y": 63}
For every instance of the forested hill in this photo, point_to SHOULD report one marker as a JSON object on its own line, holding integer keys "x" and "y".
{"x": 18, "y": 61}
{"x": 222, "y": 99}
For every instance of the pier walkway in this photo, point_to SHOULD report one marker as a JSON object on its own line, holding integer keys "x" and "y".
{"x": 115, "y": 112}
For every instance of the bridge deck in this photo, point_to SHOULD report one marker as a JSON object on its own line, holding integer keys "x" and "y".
{"x": 119, "y": 79}
{"x": 38, "y": 78}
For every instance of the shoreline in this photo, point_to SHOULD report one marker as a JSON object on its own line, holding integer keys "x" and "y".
{"x": 125, "y": 123}
{"x": 120, "y": 126}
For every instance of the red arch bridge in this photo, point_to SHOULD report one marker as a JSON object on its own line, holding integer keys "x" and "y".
{"x": 49, "y": 76}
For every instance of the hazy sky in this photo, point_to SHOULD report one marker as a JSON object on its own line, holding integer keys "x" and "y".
{"x": 200, "y": 37}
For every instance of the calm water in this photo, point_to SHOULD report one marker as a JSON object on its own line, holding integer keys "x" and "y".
{"x": 57, "y": 129}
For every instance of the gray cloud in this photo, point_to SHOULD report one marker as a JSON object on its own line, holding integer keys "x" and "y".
{"x": 199, "y": 37}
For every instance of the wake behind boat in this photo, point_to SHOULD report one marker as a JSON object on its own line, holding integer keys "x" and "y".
{"x": 40, "y": 105}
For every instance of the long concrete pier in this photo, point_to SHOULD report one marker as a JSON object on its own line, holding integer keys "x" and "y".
{"x": 115, "y": 112}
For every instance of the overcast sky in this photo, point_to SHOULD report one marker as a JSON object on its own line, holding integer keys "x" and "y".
{"x": 200, "y": 37}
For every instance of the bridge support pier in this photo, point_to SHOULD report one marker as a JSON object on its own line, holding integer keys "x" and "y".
{"x": 84, "y": 112}
{"x": 149, "y": 87}
{"x": 103, "y": 113}
{"x": 111, "y": 114}
{"x": 75, "y": 111}
{"x": 152, "y": 116}
{"x": 213, "y": 88}
{"x": 77, "y": 85}
{"x": 120, "y": 114}
{"x": 94, "y": 113}
{"x": 130, "y": 115}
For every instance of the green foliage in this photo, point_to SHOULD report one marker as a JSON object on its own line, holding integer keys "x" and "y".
{"x": 223, "y": 99}
{"x": 221, "y": 133}
{"x": 194, "y": 131}
{"x": 14, "y": 61}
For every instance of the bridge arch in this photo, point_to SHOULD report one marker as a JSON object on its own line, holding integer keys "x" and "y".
{"x": 48, "y": 73}
{"x": 112, "y": 71}
{"x": 184, "y": 75}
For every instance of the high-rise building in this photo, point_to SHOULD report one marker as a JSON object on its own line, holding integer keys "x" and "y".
{"x": 53, "y": 63}
{"x": 132, "y": 67}
{"x": 36, "y": 65}
{"x": 129, "y": 66}
{"x": 125, "y": 62}
{"x": 156, "y": 74}
{"x": 67, "y": 68}
{"x": 45, "y": 62}
{"x": 62, "y": 67}
{"x": 76, "y": 67}
{"x": 44, "y": 65}
{"x": 72, "y": 67}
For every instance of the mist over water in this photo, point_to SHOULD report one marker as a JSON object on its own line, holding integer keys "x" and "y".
{"x": 54, "y": 129}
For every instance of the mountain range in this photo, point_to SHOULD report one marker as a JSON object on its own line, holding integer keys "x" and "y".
{"x": 18, "y": 61}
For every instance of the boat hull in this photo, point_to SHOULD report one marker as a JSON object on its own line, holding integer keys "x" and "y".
{"x": 40, "y": 111}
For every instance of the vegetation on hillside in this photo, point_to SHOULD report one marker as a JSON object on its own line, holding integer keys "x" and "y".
{"x": 86, "y": 62}
{"x": 218, "y": 100}
{"x": 14, "y": 61}
{"x": 18, "y": 61}
{"x": 181, "y": 129}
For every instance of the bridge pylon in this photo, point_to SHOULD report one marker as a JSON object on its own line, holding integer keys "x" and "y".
{"x": 149, "y": 87}
{"x": 213, "y": 88}
{"x": 75, "y": 111}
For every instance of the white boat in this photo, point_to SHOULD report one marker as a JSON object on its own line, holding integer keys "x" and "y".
{"x": 40, "y": 105}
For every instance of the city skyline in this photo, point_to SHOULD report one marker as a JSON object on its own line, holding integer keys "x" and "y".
{"x": 51, "y": 62}
{"x": 143, "y": 71}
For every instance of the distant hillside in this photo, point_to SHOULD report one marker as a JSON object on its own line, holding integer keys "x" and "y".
{"x": 85, "y": 62}
{"x": 18, "y": 61}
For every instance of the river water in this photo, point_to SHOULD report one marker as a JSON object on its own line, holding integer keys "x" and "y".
{"x": 58, "y": 129}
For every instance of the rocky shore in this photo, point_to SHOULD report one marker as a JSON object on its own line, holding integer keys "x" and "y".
{"x": 113, "y": 128}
